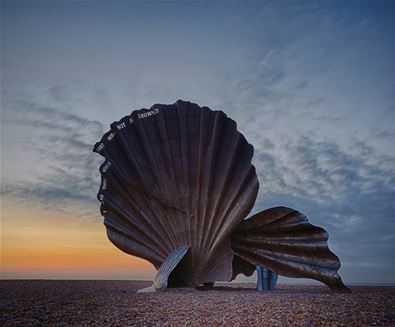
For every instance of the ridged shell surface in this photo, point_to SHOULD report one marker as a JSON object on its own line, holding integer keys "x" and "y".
{"x": 177, "y": 175}
{"x": 282, "y": 240}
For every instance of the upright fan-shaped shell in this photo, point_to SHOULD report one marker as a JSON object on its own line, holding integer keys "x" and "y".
{"x": 177, "y": 175}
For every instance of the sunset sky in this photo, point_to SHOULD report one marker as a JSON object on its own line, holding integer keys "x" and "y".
{"x": 310, "y": 84}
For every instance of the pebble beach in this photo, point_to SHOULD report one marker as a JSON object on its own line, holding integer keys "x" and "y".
{"x": 116, "y": 303}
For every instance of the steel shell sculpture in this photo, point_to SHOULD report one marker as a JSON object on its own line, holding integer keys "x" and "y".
{"x": 177, "y": 186}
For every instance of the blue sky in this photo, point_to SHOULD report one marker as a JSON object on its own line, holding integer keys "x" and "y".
{"x": 310, "y": 84}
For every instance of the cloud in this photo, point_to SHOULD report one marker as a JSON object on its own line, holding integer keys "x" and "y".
{"x": 347, "y": 194}
{"x": 63, "y": 172}
{"x": 337, "y": 190}
{"x": 305, "y": 100}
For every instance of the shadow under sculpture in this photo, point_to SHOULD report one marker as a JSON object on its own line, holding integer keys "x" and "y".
{"x": 176, "y": 187}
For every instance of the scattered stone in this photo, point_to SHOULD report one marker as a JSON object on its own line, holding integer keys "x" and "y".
{"x": 117, "y": 303}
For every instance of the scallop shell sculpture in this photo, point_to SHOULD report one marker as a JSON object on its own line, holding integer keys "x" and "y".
{"x": 176, "y": 186}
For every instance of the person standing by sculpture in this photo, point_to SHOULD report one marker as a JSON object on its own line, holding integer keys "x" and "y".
{"x": 266, "y": 279}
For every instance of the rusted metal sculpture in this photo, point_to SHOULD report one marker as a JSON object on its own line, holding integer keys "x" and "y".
{"x": 177, "y": 185}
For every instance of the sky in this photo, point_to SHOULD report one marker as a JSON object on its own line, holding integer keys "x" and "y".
{"x": 311, "y": 84}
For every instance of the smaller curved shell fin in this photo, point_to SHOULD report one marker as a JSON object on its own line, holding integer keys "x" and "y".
{"x": 282, "y": 240}
{"x": 164, "y": 271}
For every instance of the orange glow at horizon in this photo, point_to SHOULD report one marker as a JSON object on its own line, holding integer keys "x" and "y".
{"x": 41, "y": 244}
